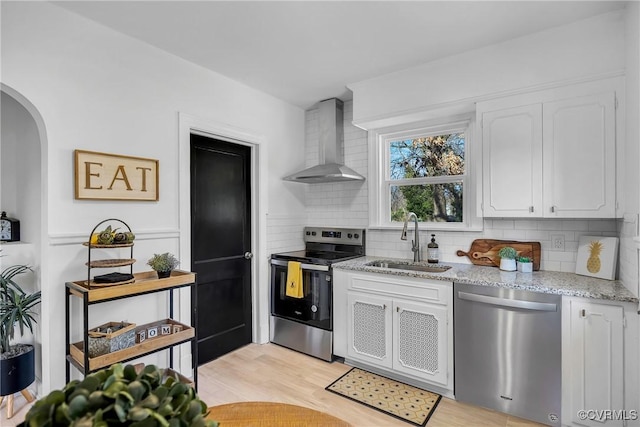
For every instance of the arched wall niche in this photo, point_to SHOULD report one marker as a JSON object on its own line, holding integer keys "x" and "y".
{"x": 23, "y": 195}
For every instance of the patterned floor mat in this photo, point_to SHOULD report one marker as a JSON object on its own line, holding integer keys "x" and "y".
{"x": 394, "y": 398}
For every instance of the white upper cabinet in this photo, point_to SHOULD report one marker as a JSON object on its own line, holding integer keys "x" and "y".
{"x": 550, "y": 154}
{"x": 579, "y": 148}
{"x": 512, "y": 161}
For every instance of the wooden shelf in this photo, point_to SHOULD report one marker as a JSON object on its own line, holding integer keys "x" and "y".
{"x": 133, "y": 284}
{"x": 110, "y": 263}
{"x": 103, "y": 285}
{"x": 114, "y": 245}
{"x": 145, "y": 282}
{"x": 76, "y": 350}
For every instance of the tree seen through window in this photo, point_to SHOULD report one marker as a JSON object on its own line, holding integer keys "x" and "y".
{"x": 426, "y": 177}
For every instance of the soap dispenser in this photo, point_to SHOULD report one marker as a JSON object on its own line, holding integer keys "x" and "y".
{"x": 432, "y": 251}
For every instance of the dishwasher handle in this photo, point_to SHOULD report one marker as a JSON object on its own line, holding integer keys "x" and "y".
{"x": 508, "y": 302}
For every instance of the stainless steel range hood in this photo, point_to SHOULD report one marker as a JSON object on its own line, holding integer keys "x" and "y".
{"x": 331, "y": 167}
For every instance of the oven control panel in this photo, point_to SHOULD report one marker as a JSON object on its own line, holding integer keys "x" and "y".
{"x": 342, "y": 236}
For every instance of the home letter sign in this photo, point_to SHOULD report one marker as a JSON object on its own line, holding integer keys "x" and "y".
{"x": 101, "y": 176}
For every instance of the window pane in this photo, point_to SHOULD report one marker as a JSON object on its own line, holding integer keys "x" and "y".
{"x": 431, "y": 202}
{"x": 439, "y": 155}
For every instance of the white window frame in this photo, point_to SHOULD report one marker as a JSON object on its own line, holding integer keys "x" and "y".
{"x": 379, "y": 173}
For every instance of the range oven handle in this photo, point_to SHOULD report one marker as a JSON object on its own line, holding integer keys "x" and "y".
{"x": 283, "y": 263}
{"x": 508, "y": 302}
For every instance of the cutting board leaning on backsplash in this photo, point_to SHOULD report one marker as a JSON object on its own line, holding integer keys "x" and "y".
{"x": 485, "y": 251}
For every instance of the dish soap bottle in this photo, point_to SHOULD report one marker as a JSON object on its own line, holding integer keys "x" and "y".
{"x": 432, "y": 251}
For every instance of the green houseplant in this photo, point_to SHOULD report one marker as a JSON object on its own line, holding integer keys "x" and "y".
{"x": 525, "y": 265}
{"x": 17, "y": 362}
{"x": 121, "y": 396}
{"x": 163, "y": 264}
{"x": 508, "y": 258}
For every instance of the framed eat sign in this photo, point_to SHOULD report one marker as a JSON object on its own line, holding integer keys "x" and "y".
{"x": 102, "y": 176}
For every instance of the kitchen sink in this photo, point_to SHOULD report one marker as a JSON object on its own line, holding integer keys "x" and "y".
{"x": 409, "y": 266}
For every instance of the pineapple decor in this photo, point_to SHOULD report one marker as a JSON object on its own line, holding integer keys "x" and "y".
{"x": 597, "y": 256}
{"x": 594, "y": 263}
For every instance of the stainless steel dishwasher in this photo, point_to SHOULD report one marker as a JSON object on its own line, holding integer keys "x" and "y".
{"x": 508, "y": 351}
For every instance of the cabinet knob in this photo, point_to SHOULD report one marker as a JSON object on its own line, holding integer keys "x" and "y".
{"x": 583, "y": 313}
{"x": 248, "y": 255}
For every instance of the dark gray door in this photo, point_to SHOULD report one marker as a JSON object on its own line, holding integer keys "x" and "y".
{"x": 220, "y": 238}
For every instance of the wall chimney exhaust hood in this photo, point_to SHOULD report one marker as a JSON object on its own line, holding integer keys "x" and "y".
{"x": 331, "y": 167}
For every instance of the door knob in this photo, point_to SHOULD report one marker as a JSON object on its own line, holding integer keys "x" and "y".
{"x": 248, "y": 255}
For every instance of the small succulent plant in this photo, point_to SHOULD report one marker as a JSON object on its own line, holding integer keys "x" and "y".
{"x": 163, "y": 262}
{"x": 119, "y": 396}
{"x": 508, "y": 253}
{"x": 524, "y": 259}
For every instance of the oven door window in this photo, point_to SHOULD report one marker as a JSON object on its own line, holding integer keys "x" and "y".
{"x": 314, "y": 308}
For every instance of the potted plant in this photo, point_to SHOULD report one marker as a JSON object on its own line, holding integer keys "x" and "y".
{"x": 507, "y": 258}
{"x": 120, "y": 396}
{"x": 17, "y": 362}
{"x": 524, "y": 264}
{"x": 163, "y": 264}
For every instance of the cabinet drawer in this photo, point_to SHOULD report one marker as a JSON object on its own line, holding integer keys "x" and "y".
{"x": 433, "y": 291}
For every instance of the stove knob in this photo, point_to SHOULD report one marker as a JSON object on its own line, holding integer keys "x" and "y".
{"x": 349, "y": 235}
{"x": 313, "y": 233}
{"x": 356, "y": 235}
{"x": 308, "y": 233}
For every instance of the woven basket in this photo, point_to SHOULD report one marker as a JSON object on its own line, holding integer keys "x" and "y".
{"x": 122, "y": 335}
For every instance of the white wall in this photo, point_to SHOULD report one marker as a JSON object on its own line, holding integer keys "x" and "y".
{"x": 20, "y": 198}
{"x": 103, "y": 91}
{"x": 629, "y": 226}
{"x": 20, "y": 167}
{"x": 590, "y": 47}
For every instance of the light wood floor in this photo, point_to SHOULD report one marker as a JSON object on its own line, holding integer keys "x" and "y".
{"x": 275, "y": 374}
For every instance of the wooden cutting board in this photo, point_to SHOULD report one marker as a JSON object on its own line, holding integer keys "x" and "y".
{"x": 485, "y": 251}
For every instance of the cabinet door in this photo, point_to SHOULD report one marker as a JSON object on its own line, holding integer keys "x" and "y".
{"x": 596, "y": 360}
{"x": 579, "y": 157}
{"x": 369, "y": 329}
{"x": 512, "y": 162}
{"x": 340, "y": 282}
{"x": 420, "y": 341}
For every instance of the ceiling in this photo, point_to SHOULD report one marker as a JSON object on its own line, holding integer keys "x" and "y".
{"x": 306, "y": 51}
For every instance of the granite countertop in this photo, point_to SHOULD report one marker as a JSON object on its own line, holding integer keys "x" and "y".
{"x": 549, "y": 282}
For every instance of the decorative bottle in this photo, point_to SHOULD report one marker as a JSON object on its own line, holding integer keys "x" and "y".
{"x": 432, "y": 250}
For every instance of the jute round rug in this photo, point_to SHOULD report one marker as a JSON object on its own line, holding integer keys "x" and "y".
{"x": 271, "y": 414}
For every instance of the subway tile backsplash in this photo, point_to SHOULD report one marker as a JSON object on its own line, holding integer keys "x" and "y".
{"x": 387, "y": 243}
{"x": 284, "y": 233}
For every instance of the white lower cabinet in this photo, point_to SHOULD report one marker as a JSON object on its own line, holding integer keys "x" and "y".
{"x": 420, "y": 340}
{"x": 369, "y": 329}
{"x": 596, "y": 337}
{"x": 400, "y": 325}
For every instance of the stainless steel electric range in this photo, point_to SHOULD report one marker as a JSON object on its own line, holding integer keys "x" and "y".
{"x": 305, "y": 324}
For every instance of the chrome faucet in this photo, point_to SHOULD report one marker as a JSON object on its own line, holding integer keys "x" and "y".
{"x": 415, "y": 243}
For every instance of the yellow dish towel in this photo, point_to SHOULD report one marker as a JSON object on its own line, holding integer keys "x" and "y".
{"x": 294, "y": 280}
